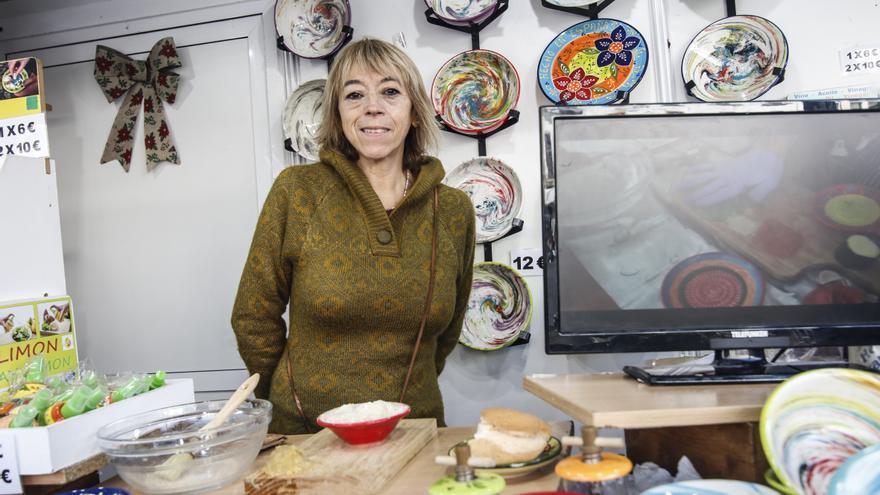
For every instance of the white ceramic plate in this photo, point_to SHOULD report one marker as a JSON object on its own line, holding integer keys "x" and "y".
{"x": 815, "y": 421}
{"x": 499, "y": 308}
{"x": 302, "y": 118}
{"x": 494, "y": 190}
{"x": 312, "y": 28}
{"x": 734, "y": 59}
{"x": 710, "y": 487}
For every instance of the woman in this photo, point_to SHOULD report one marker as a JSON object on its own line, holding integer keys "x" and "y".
{"x": 348, "y": 242}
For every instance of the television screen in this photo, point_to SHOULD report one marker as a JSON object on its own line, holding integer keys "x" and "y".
{"x": 699, "y": 226}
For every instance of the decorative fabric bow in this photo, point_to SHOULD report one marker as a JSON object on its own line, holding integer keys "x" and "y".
{"x": 149, "y": 81}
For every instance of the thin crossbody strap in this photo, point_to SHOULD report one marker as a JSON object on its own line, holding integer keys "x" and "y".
{"x": 424, "y": 321}
{"x": 428, "y": 298}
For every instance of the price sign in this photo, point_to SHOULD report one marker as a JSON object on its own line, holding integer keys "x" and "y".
{"x": 10, "y": 481}
{"x": 24, "y": 136}
{"x": 860, "y": 60}
{"x": 529, "y": 262}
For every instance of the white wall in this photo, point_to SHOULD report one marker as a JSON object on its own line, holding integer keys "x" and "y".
{"x": 31, "y": 264}
{"x": 473, "y": 380}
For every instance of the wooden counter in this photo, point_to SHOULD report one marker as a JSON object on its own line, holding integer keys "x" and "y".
{"x": 419, "y": 474}
{"x": 715, "y": 426}
{"x": 617, "y": 401}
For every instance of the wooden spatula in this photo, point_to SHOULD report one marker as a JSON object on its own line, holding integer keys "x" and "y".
{"x": 176, "y": 465}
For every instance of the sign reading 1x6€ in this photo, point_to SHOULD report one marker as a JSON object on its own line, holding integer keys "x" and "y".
{"x": 23, "y": 145}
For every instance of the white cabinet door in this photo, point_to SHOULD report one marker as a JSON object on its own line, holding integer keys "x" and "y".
{"x": 153, "y": 258}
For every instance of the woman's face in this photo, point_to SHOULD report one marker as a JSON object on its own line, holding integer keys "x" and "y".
{"x": 376, "y": 114}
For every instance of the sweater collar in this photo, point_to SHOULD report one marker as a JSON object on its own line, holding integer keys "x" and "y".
{"x": 379, "y": 224}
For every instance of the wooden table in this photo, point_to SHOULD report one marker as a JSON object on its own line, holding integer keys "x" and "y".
{"x": 418, "y": 475}
{"x": 714, "y": 425}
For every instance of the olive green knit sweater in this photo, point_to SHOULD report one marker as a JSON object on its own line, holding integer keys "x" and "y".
{"x": 355, "y": 279}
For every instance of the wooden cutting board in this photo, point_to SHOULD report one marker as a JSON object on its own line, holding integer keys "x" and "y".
{"x": 351, "y": 469}
{"x": 781, "y": 235}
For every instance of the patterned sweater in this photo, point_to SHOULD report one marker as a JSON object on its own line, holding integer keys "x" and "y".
{"x": 355, "y": 278}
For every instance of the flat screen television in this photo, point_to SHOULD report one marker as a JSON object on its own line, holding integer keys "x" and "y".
{"x": 711, "y": 226}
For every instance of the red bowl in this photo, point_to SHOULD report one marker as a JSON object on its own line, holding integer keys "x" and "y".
{"x": 365, "y": 431}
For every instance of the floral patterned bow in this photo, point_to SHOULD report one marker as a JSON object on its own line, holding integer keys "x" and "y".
{"x": 149, "y": 81}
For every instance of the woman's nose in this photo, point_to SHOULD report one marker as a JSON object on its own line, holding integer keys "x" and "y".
{"x": 374, "y": 105}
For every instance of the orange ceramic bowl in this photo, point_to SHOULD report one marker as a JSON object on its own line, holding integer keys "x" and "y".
{"x": 365, "y": 432}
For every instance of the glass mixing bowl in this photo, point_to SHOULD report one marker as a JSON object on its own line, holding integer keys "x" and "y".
{"x": 139, "y": 447}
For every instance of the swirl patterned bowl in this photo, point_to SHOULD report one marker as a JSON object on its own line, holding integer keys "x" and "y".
{"x": 738, "y": 58}
{"x": 312, "y": 28}
{"x": 499, "y": 308}
{"x": 815, "y": 421}
{"x": 302, "y": 118}
{"x": 462, "y": 12}
{"x": 859, "y": 474}
{"x": 495, "y": 192}
{"x": 475, "y": 91}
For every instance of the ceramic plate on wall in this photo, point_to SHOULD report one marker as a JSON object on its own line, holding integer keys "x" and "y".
{"x": 312, "y": 28}
{"x": 461, "y": 12}
{"x": 738, "y": 58}
{"x": 710, "y": 487}
{"x": 478, "y": 19}
{"x": 713, "y": 280}
{"x": 499, "y": 308}
{"x": 475, "y": 91}
{"x": 859, "y": 474}
{"x": 302, "y": 118}
{"x": 815, "y": 421}
{"x": 494, "y": 190}
{"x": 593, "y": 63}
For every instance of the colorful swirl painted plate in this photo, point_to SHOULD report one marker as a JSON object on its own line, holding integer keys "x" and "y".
{"x": 713, "y": 280}
{"x": 593, "y": 63}
{"x": 859, "y": 474}
{"x": 738, "y": 58}
{"x": 461, "y": 12}
{"x": 302, "y": 118}
{"x": 494, "y": 190}
{"x": 815, "y": 421}
{"x": 312, "y": 28}
{"x": 710, "y": 487}
{"x": 848, "y": 207}
{"x": 499, "y": 308}
{"x": 475, "y": 91}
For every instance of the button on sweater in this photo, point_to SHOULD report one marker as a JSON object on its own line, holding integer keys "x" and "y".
{"x": 354, "y": 280}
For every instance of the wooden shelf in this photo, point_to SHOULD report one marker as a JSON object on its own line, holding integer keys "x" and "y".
{"x": 617, "y": 401}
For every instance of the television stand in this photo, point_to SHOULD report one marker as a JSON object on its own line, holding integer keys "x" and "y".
{"x": 753, "y": 368}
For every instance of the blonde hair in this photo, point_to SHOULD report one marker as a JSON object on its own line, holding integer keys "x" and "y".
{"x": 383, "y": 58}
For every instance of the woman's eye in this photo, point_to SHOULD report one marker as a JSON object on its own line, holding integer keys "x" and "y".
{"x": 391, "y": 92}
{"x": 354, "y": 95}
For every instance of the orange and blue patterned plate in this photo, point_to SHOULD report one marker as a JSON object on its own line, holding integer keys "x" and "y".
{"x": 594, "y": 62}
